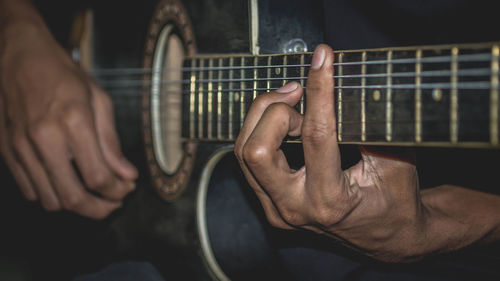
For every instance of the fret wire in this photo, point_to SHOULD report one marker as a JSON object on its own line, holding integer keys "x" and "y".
{"x": 454, "y": 96}
{"x": 268, "y": 74}
{"x": 495, "y": 52}
{"x": 242, "y": 94}
{"x": 231, "y": 99}
{"x": 200, "y": 103}
{"x": 210, "y": 100}
{"x": 418, "y": 98}
{"x": 219, "y": 104}
{"x": 192, "y": 100}
{"x": 302, "y": 83}
{"x": 363, "y": 98}
{"x": 255, "y": 78}
{"x": 340, "y": 99}
{"x": 284, "y": 69}
{"x": 388, "y": 107}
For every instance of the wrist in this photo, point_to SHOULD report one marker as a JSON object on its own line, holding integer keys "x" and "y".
{"x": 458, "y": 217}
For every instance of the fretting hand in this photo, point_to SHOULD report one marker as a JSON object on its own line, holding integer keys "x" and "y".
{"x": 375, "y": 206}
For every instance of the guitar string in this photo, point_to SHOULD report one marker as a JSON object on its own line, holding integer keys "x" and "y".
{"x": 476, "y": 85}
{"x": 433, "y": 73}
{"x": 436, "y": 59}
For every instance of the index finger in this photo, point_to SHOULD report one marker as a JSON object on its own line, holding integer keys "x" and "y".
{"x": 319, "y": 131}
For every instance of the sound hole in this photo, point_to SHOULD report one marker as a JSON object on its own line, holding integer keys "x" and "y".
{"x": 166, "y": 97}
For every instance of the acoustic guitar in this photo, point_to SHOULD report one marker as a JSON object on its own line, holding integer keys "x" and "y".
{"x": 194, "y": 104}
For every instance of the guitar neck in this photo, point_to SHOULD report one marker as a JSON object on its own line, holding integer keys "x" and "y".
{"x": 429, "y": 95}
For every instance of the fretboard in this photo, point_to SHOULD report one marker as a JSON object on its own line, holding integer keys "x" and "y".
{"x": 432, "y": 95}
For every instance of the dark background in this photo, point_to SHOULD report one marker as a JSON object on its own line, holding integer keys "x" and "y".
{"x": 36, "y": 245}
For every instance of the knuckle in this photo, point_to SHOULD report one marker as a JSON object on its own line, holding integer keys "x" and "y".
{"x": 261, "y": 101}
{"x": 51, "y": 206}
{"x": 318, "y": 132}
{"x": 255, "y": 153}
{"x": 278, "y": 109}
{"x": 99, "y": 179}
{"x": 75, "y": 115}
{"x": 327, "y": 215}
{"x": 41, "y": 130}
{"x": 71, "y": 201}
{"x": 238, "y": 149}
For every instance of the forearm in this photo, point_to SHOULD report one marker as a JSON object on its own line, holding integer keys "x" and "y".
{"x": 457, "y": 217}
{"x": 21, "y": 29}
{"x": 18, "y": 11}
{"x": 18, "y": 17}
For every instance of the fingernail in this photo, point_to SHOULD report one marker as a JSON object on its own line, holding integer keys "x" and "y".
{"x": 287, "y": 88}
{"x": 318, "y": 58}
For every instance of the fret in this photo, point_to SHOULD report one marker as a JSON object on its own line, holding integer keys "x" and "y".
{"x": 375, "y": 105}
{"x": 224, "y": 100}
{"x": 200, "y": 101}
{"x": 454, "y": 96}
{"x": 473, "y": 109}
{"x": 231, "y": 99}
{"x": 363, "y": 97}
{"x": 192, "y": 96}
{"x": 285, "y": 69}
{"x": 388, "y": 102}
{"x": 293, "y": 72}
{"x": 255, "y": 64}
{"x": 242, "y": 92}
{"x": 219, "y": 102}
{"x": 418, "y": 97}
{"x": 277, "y": 73}
{"x": 210, "y": 98}
{"x": 250, "y": 83}
{"x": 302, "y": 79}
{"x": 403, "y": 110}
{"x": 339, "y": 99}
{"x": 435, "y": 101}
{"x": 495, "y": 53}
{"x": 236, "y": 96}
{"x": 268, "y": 82}
{"x": 262, "y": 72}
{"x": 351, "y": 97}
